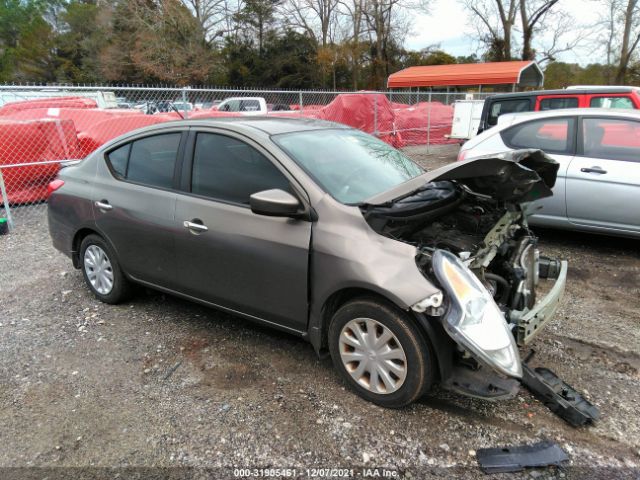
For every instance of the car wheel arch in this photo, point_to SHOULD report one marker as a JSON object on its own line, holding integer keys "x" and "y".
{"x": 79, "y": 236}
{"x": 344, "y": 295}
{"x": 431, "y": 329}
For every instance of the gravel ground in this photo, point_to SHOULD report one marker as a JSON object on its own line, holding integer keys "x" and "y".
{"x": 160, "y": 382}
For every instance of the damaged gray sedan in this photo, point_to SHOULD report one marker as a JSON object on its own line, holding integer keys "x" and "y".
{"x": 405, "y": 277}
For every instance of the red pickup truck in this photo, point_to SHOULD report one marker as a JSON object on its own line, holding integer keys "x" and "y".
{"x": 571, "y": 97}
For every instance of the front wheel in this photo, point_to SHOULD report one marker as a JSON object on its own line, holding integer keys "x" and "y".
{"x": 381, "y": 354}
{"x": 102, "y": 272}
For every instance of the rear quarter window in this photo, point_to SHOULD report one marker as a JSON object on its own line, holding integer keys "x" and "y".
{"x": 553, "y": 135}
{"x": 118, "y": 159}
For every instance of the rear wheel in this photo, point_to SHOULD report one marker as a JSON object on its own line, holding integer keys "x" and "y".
{"x": 101, "y": 270}
{"x": 379, "y": 351}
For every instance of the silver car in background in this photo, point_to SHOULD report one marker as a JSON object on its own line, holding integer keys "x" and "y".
{"x": 598, "y": 150}
{"x": 404, "y": 277}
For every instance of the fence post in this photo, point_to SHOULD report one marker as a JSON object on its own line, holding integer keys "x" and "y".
{"x": 300, "y": 101}
{"x": 5, "y": 200}
{"x": 184, "y": 103}
{"x": 429, "y": 123}
{"x": 375, "y": 115}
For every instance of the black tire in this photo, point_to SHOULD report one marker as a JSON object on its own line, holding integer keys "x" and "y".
{"x": 420, "y": 359}
{"x": 121, "y": 288}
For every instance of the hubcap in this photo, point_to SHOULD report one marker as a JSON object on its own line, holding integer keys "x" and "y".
{"x": 98, "y": 269}
{"x": 373, "y": 356}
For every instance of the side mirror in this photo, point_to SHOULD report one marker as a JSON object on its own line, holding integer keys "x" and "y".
{"x": 274, "y": 203}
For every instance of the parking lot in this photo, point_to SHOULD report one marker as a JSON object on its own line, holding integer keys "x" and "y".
{"x": 162, "y": 382}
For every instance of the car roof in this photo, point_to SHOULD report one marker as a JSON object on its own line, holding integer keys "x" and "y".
{"x": 565, "y": 91}
{"x": 567, "y": 112}
{"x": 266, "y": 124}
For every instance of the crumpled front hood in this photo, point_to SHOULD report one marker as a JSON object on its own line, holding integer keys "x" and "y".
{"x": 517, "y": 176}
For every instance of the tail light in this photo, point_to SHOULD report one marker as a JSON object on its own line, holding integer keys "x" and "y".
{"x": 53, "y": 186}
{"x": 461, "y": 155}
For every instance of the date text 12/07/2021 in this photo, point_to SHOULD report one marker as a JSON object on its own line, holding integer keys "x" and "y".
{"x": 372, "y": 472}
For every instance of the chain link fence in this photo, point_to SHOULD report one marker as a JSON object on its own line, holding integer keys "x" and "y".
{"x": 41, "y": 127}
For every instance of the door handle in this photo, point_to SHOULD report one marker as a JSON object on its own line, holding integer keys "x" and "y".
{"x": 103, "y": 205}
{"x": 196, "y": 226}
{"x": 593, "y": 170}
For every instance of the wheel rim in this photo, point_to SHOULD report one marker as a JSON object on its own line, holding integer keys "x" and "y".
{"x": 373, "y": 355}
{"x": 98, "y": 268}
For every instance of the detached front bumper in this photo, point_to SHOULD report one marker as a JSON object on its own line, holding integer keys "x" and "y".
{"x": 528, "y": 323}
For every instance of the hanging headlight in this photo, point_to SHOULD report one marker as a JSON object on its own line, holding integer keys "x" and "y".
{"x": 474, "y": 320}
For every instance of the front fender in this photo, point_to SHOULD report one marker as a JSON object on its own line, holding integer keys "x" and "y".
{"x": 346, "y": 253}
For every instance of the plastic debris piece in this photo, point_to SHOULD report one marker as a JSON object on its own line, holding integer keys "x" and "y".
{"x": 517, "y": 458}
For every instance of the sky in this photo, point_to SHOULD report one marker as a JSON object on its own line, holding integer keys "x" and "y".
{"x": 448, "y": 25}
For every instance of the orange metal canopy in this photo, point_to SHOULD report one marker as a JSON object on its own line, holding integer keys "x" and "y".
{"x": 523, "y": 73}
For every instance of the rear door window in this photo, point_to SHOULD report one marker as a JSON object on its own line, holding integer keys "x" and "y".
{"x": 553, "y": 135}
{"x": 558, "y": 103}
{"x": 611, "y": 139}
{"x": 501, "y": 107}
{"x": 611, "y": 102}
{"x": 150, "y": 161}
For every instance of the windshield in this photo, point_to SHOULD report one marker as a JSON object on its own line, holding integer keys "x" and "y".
{"x": 350, "y": 165}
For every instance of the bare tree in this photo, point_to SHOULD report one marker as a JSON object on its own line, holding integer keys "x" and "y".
{"x": 532, "y": 14}
{"x": 231, "y": 26}
{"x": 630, "y": 39}
{"x": 560, "y": 35}
{"x": 157, "y": 40}
{"x": 620, "y": 27}
{"x": 377, "y": 15}
{"x": 352, "y": 12}
{"x": 211, "y": 15}
{"x": 606, "y": 36}
{"x": 494, "y": 20}
{"x": 388, "y": 21}
{"x": 609, "y": 23}
{"x": 317, "y": 18}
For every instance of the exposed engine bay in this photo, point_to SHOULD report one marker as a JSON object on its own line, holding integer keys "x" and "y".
{"x": 477, "y": 215}
{"x": 488, "y": 235}
{"x": 468, "y": 224}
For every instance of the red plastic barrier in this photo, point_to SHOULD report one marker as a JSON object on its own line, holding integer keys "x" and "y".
{"x": 54, "y": 102}
{"x": 33, "y": 141}
{"x": 412, "y": 123}
{"x": 83, "y": 118}
{"x": 101, "y": 132}
{"x": 296, "y": 107}
{"x": 28, "y": 134}
{"x": 396, "y": 123}
{"x": 369, "y": 112}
